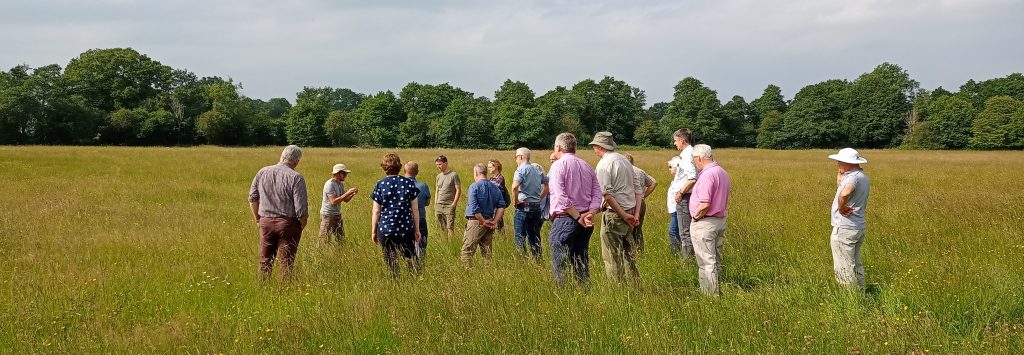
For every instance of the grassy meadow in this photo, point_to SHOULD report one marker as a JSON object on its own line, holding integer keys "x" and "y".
{"x": 153, "y": 250}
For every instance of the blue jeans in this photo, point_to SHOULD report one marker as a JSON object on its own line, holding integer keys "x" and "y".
{"x": 674, "y": 245}
{"x": 570, "y": 245}
{"x": 528, "y": 220}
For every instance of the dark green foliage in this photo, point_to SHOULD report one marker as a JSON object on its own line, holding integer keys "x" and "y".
{"x": 1000, "y": 125}
{"x": 118, "y": 96}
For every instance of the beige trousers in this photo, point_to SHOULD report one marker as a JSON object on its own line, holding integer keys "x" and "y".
{"x": 708, "y": 235}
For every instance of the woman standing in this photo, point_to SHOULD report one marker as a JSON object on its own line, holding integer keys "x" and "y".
{"x": 396, "y": 218}
{"x": 674, "y": 243}
{"x": 494, "y": 171}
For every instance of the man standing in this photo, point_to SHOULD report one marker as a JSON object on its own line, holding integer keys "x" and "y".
{"x": 528, "y": 185}
{"x": 708, "y": 210}
{"x": 649, "y": 184}
{"x": 575, "y": 199}
{"x": 449, "y": 190}
{"x": 331, "y": 223}
{"x": 622, "y": 192}
{"x": 685, "y": 178}
{"x": 848, "y": 225}
{"x": 279, "y": 204}
{"x": 483, "y": 209}
{"x": 423, "y": 200}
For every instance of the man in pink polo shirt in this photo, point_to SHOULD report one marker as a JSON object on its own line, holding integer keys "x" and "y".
{"x": 575, "y": 199}
{"x": 708, "y": 208}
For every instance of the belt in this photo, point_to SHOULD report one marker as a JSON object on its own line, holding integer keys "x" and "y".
{"x": 529, "y": 204}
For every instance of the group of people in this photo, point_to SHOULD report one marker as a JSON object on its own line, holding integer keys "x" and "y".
{"x": 572, "y": 196}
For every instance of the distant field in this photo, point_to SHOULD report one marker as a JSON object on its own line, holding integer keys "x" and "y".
{"x": 153, "y": 250}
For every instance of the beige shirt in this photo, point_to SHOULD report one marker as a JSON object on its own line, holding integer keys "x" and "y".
{"x": 617, "y": 178}
{"x": 446, "y": 184}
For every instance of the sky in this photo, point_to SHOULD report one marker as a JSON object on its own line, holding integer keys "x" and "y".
{"x": 736, "y": 47}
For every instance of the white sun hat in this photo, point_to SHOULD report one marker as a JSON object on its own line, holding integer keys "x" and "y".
{"x": 340, "y": 167}
{"x": 849, "y": 156}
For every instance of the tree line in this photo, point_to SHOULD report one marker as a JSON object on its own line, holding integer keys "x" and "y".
{"x": 119, "y": 96}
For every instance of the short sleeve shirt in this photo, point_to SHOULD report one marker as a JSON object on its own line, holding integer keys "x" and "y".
{"x": 331, "y": 188}
{"x": 446, "y": 184}
{"x": 530, "y": 182}
{"x": 423, "y": 197}
{"x": 394, "y": 193}
{"x": 858, "y": 201}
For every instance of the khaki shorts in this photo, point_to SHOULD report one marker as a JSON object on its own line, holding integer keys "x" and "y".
{"x": 332, "y": 225}
{"x": 445, "y": 217}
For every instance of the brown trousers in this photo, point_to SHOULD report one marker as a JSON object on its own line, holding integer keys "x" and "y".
{"x": 279, "y": 237}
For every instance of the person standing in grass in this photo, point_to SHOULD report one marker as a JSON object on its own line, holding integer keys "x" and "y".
{"x": 449, "y": 190}
{"x": 395, "y": 222}
{"x": 484, "y": 209}
{"x": 686, "y": 177}
{"x": 494, "y": 171}
{"x": 674, "y": 244}
{"x": 848, "y": 225}
{"x": 623, "y": 192}
{"x": 423, "y": 200}
{"x": 575, "y": 199}
{"x": 649, "y": 184}
{"x": 528, "y": 185}
{"x": 708, "y": 210}
{"x": 277, "y": 198}
{"x": 331, "y": 223}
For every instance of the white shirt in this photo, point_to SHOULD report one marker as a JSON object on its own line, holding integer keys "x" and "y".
{"x": 685, "y": 170}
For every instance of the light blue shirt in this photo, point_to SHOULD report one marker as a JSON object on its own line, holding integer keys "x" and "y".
{"x": 423, "y": 197}
{"x": 530, "y": 182}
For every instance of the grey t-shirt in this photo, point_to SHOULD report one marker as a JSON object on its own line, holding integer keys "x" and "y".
{"x": 332, "y": 188}
{"x": 858, "y": 201}
{"x": 446, "y": 184}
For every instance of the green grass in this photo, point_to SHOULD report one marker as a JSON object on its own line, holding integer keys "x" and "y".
{"x": 148, "y": 250}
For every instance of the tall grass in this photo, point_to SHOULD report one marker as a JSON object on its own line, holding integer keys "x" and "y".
{"x": 154, "y": 250}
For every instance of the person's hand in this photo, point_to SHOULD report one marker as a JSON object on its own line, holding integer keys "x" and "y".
{"x": 632, "y": 221}
{"x": 845, "y": 210}
{"x": 417, "y": 236}
{"x": 679, "y": 197}
{"x": 491, "y": 224}
{"x": 353, "y": 191}
{"x": 373, "y": 235}
{"x": 587, "y": 220}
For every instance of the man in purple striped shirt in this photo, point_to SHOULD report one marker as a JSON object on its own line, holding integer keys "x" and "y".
{"x": 575, "y": 199}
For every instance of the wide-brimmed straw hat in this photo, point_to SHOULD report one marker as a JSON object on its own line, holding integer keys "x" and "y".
{"x": 849, "y": 156}
{"x": 340, "y": 167}
{"x": 604, "y": 140}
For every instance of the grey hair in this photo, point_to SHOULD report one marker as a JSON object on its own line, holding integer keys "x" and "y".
{"x": 291, "y": 153}
{"x": 685, "y": 133}
{"x": 525, "y": 152}
{"x": 703, "y": 151}
{"x": 566, "y": 141}
{"x": 538, "y": 167}
{"x": 480, "y": 168}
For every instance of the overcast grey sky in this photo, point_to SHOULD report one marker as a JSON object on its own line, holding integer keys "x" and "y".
{"x": 274, "y": 48}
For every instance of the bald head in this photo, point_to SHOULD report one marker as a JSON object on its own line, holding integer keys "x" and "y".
{"x": 412, "y": 169}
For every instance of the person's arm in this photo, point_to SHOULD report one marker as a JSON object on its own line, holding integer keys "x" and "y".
{"x": 255, "y": 206}
{"x": 374, "y": 219}
{"x": 300, "y": 201}
{"x": 652, "y": 184}
{"x": 638, "y": 198}
{"x": 844, "y": 199}
{"x": 254, "y": 197}
{"x": 702, "y": 208}
{"x": 414, "y": 204}
{"x": 458, "y": 194}
{"x": 426, "y": 200}
{"x": 345, "y": 197}
{"x": 514, "y": 195}
{"x": 687, "y": 186}
{"x": 630, "y": 219}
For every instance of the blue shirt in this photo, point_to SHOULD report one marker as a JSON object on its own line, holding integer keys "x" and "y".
{"x": 530, "y": 180}
{"x": 394, "y": 193}
{"x": 484, "y": 198}
{"x": 423, "y": 197}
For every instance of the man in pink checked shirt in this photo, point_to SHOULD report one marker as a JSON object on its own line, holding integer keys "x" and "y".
{"x": 575, "y": 199}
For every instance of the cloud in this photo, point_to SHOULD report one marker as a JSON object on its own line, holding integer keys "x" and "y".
{"x": 735, "y": 46}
